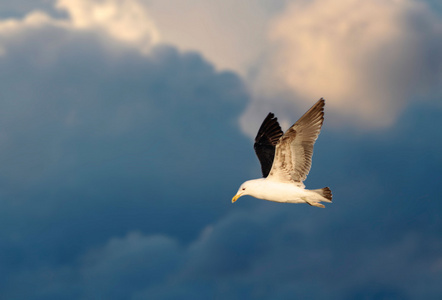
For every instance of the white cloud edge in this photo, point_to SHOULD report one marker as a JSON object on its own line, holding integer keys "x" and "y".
{"x": 125, "y": 21}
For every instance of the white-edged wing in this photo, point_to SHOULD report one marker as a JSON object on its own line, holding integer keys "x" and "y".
{"x": 294, "y": 150}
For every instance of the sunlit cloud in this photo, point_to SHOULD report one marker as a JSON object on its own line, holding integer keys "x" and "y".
{"x": 367, "y": 58}
{"x": 127, "y": 22}
{"x": 230, "y": 33}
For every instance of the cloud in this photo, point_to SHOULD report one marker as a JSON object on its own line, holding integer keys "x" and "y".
{"x": 127, "y": 21}
{"x": 361, "y": 245}
{"x": 98, "y": 140}
{"x": 21, "y": 7}
{"x": 118, "y": 167}
{"x": 270, "y": 251}
{"x": 369, "y": 59}
{"x": 128, "y": 264}
{"x": 231, "y": 34}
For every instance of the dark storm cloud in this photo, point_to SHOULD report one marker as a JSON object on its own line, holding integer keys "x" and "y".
{"x": 379, "y": 239}
{"x": 97, "y": 141}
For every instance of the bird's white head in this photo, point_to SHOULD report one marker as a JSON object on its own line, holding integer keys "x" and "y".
{"x": 247, "y": 188}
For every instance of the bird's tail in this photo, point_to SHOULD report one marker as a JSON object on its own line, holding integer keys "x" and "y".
{"x": 325, "y": 193}
{"x": 322, "y": 195}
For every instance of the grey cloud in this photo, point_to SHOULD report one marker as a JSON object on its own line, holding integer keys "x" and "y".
{"x": 98, "y": 140}
{"x": 128, "y": 264}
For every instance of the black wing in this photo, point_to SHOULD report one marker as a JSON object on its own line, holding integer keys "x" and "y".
{"x": 265, "y": 142}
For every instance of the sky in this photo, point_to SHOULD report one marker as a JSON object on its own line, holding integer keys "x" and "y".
{"x": 126, "y": 127}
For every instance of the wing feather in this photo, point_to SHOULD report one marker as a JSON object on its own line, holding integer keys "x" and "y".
{"x": 265, "y": 141}
{"x": 293, "y": 152}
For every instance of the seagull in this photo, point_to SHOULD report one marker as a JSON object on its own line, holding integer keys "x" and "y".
{"x": 286, "y": 160}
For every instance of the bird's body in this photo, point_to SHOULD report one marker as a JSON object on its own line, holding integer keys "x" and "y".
{"x": 286, "y": 159}
{"x": 287, "y": 192}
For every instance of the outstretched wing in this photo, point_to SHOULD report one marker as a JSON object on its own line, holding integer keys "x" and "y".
{"x": 293, "y": 156}
{"x": 265, "y": 142}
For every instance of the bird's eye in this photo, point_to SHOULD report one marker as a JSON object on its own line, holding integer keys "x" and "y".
{"x": 243, "y": 189}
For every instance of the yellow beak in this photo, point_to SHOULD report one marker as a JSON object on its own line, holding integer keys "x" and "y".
{"x": 236, "y": 197}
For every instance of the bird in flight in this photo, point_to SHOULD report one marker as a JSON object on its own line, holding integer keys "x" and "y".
{"x": 286, "y": 160}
